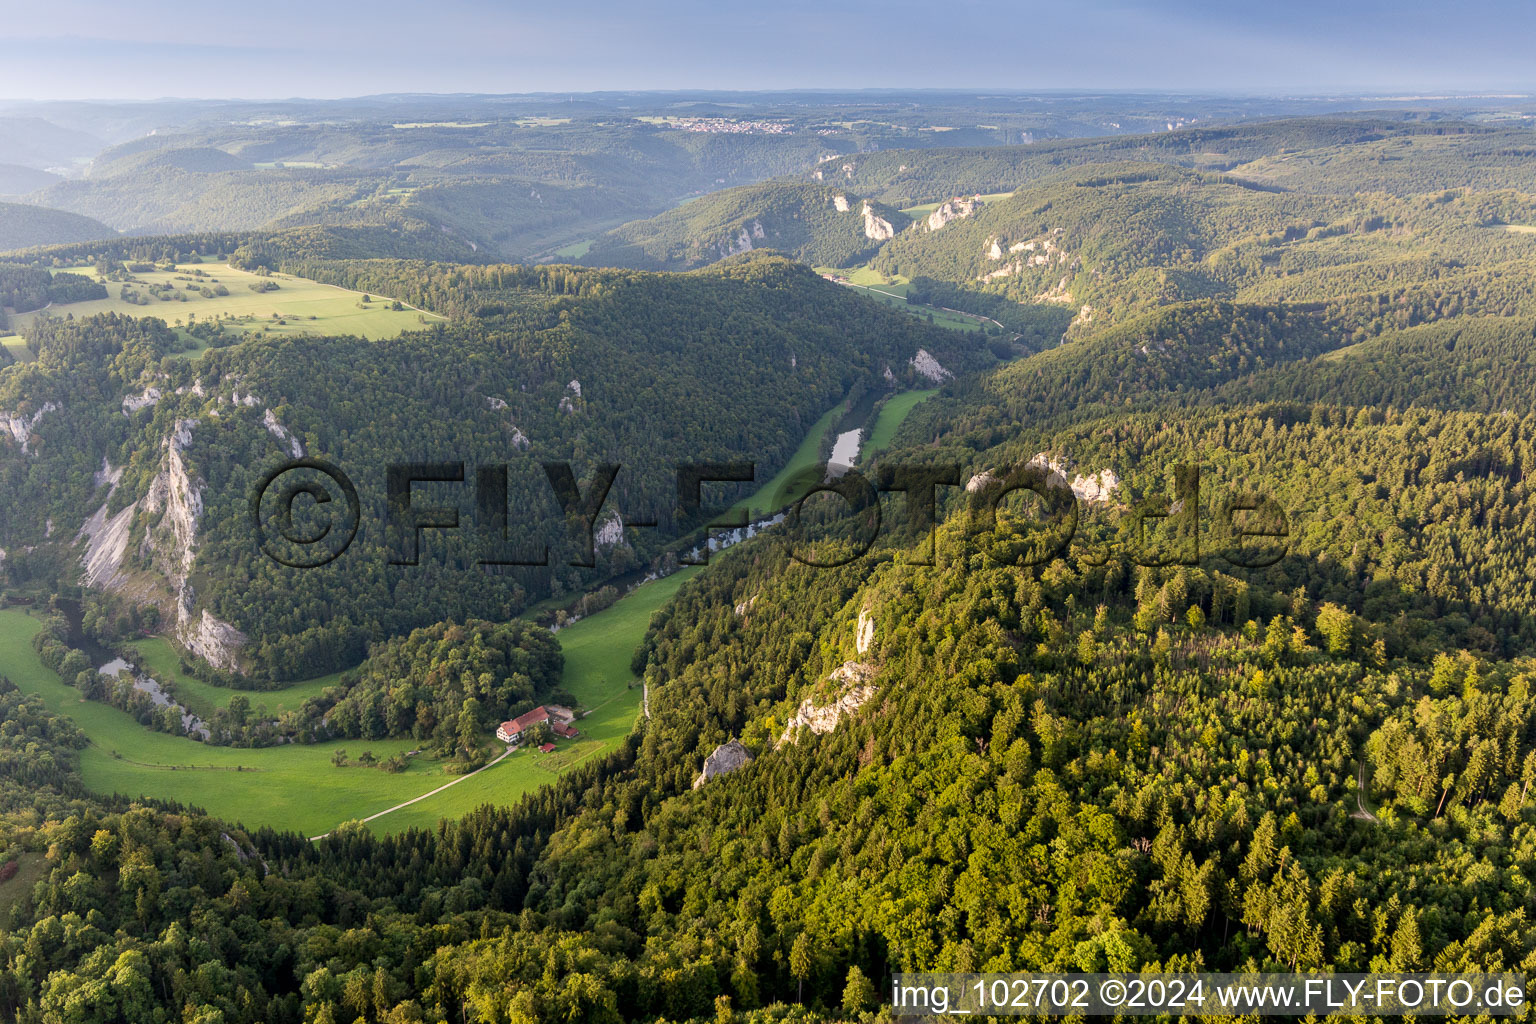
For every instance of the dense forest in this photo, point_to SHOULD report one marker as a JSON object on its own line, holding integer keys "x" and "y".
{"x": 23, "y": 226}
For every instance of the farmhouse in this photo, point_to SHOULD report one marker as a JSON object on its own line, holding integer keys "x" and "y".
{"x": 561, "y": 723}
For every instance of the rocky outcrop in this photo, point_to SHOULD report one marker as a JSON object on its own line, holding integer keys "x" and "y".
{"x": 1093, "y": 488}
{"x": 609, "y": 533}
{"x": 106, "y": 539}
{"x": 840, "y": 204}
{"x": 496, "y": 404}
{"x": 280, "y": 432}
{"x": 822, "y": 719}
{"x": 951, "y": 210}
{"x": 876, "y": 229}
{"x": 143, "y": 400}
{"x": 175, "y": 503}
{"x": 726, "y": 758}
{"x": 20, "y": 427}
{"x": 929, "y": 367}
{"x": 1096, "y": 487}
{"x": 864, "y": 635}
{"x": 980, "y": 481}
{"x": 743, "y": 242}
{"x": 216, "y": 642}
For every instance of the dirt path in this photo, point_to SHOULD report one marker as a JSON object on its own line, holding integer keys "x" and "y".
{"x": 1362, "y": 813}
{"x": 439, "y": 789}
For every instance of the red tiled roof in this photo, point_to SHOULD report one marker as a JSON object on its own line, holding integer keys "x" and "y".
{"x": 562, "y": 730}
{"x": 523, "y": 721}
{"x": 546, "y": 748}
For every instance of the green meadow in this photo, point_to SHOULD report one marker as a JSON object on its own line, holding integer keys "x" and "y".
{"x": 893, "y": 291}
{"x": 893, "y": 413}
{"x": 925, "y": 209}
{"x": 202, "y": 699}
{"x": 297, "y": 786}
{"x": 17, "y": 347}
{"x": 298, "y": 306}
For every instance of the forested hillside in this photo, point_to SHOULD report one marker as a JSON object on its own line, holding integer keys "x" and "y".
{"x": 817, "y": 225}
{"x": 22, "y": 227}
{"x": 641, "y": 371}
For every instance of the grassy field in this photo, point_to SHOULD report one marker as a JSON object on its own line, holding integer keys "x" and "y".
{"x": 574, "y": 251}
{"x": 301, "y": 306}
{"x": 296, "y": 786}
{"x": 893, "y": 290}
{"x": 31, "y": 868}
{"x": 761, "y": 502}
{"x": 202, "y": 698}
{"x": 926, "y": 208}
{"x": 890, "y": 418}
{"x": 16, "y": 345}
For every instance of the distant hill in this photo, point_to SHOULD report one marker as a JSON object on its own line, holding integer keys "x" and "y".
{"x": 16, "y": 180}
{"x": 23, "y": 226}
{"x": 822, "y": 225}
{"x": 37, "y": 142}
{"x": 192, "y": 159}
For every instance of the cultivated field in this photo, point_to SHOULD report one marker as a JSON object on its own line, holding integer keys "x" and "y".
{"x": 298, "y": 306}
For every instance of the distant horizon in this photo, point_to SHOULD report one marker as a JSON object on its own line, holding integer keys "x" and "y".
{"x": 348, "y": 49}
{"x": 1403, "y": 95}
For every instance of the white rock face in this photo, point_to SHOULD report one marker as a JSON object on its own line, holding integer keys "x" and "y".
{"x": 280, "y": 432}
{"x": 821, "y": 720}
{"x": 954, "y": 209}
{"x": 876, "y": 229}
{"x": 520, "y": 440}
{"x": 864, "y": 636}
{"x": 994, "y": 249}
{"x": 1056, "y": 473}
{"x": 106, "y": 474}
{"x": 21, "y": 427}
{"x": 742, "y": 607}
{"x": 840, "y": 203}
{"x": 567, "y": 406}
{"x": 609, "y": 533}
{"x": 1097, "y": 487}
{"x": 178, "y": 501}
{"x": 496, "y": 403}
{"x": 216, "y": 642}
{"x": 981, "y": 480}
{"x": 726, "y": 758}
{"x": 743, "y": 241}
{"x": 143, "y": 400}
{"x": 574, "y": 387}
{"x": 929, "y": 367}
{"x": 106, "y": 543}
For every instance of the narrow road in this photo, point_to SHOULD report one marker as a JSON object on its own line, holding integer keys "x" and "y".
{"x": 439, "y": 789}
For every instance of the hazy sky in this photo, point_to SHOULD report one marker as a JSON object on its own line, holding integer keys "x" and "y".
{"x": 282, "y": 48}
